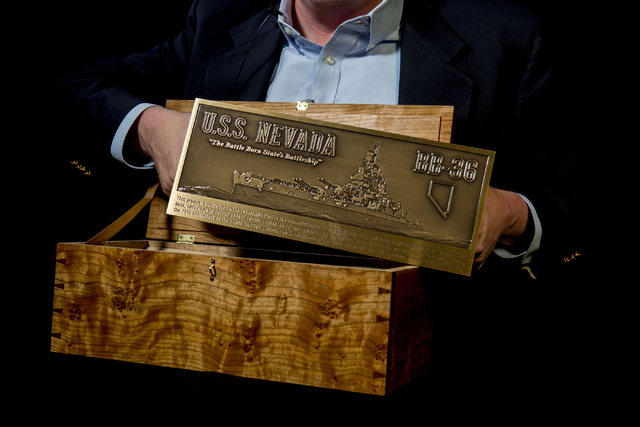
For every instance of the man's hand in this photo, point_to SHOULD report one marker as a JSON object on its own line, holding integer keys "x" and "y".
{"x": 504, "y": 219}
{"x": 160, "y": 135}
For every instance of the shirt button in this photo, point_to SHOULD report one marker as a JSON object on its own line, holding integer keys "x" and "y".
{"x": 287, "y": 30}
{"x": 330, "y": 60}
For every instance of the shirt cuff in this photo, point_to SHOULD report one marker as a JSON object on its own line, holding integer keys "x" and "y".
{"x": 117, "y": 143}
{"x": 527, "y": 255}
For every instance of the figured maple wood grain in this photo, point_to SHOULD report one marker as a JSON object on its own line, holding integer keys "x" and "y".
{"x": 433, "y": 122}
{"x": 348, "y": 328}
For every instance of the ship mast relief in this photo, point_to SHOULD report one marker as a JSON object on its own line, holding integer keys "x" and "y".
{"x": 365, "y": 192}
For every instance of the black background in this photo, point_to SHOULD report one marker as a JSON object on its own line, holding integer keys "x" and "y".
{"x": 74, "y": 207}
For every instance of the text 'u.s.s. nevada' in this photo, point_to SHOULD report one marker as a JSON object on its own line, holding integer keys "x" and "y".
{"x": 269, "y": 137}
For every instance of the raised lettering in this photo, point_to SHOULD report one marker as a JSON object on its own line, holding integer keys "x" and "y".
{"x": 275, "y": 134}
{"x": 422, "y": 162}
{"x": 458, "y": 168}
{"x": 262, "y": 135}
{"x": 316, "y": 141}
{"x": 329, "y": 146}
{"x": 240, "y": 123}
{"x": 289, "y": 135}
{"x": 435, "y": 164}
{"x": 301, "y": 142}
{"x": 208, "y": 121}
{"x": 224, "y": 129}
{"x": 470, "y": 170}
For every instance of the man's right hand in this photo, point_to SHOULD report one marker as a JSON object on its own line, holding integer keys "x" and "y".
{"x": 160, "y": 135}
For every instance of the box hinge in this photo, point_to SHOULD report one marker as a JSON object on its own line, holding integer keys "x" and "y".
{"x": 188, "y": 239}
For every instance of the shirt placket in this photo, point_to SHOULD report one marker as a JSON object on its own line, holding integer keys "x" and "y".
{"x": 328, "y": 66}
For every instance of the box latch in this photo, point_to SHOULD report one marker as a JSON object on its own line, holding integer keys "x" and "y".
{"x": 188, "y": 239}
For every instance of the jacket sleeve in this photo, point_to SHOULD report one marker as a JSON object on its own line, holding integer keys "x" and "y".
{"x": 548, "y": 164}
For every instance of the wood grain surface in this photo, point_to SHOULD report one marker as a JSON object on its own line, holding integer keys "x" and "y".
{"x": 349, "y": 328}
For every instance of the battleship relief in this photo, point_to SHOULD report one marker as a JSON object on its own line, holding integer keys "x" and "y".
{"x": 364, "y": 200}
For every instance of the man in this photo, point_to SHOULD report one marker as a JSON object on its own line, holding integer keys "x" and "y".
{"x": 484, "y": 57}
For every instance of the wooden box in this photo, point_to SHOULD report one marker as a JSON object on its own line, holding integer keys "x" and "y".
{"x": 325, "y": 320}
{"x": 359, "y": 327}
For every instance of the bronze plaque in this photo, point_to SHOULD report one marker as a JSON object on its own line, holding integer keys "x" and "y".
{"x": 373, "y": 193}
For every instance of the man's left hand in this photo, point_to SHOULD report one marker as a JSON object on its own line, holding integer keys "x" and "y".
{"x": 504, "y": 220}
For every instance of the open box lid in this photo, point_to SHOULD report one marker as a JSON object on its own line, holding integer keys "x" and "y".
{"x": 433, "y": 122}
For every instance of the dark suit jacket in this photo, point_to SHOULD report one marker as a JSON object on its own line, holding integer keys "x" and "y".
{"x": 486, "y": 58}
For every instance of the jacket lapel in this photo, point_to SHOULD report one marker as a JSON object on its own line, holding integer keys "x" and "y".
{"x": 256, "y": 73}
{"x": 244, "y": 72}
{"x": 430, "y": 51}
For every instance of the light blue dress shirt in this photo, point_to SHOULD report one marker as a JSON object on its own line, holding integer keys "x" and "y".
{"x": 360, "y": 64}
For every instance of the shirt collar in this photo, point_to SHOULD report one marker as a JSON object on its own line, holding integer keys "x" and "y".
{"x": 384, "y": 21}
